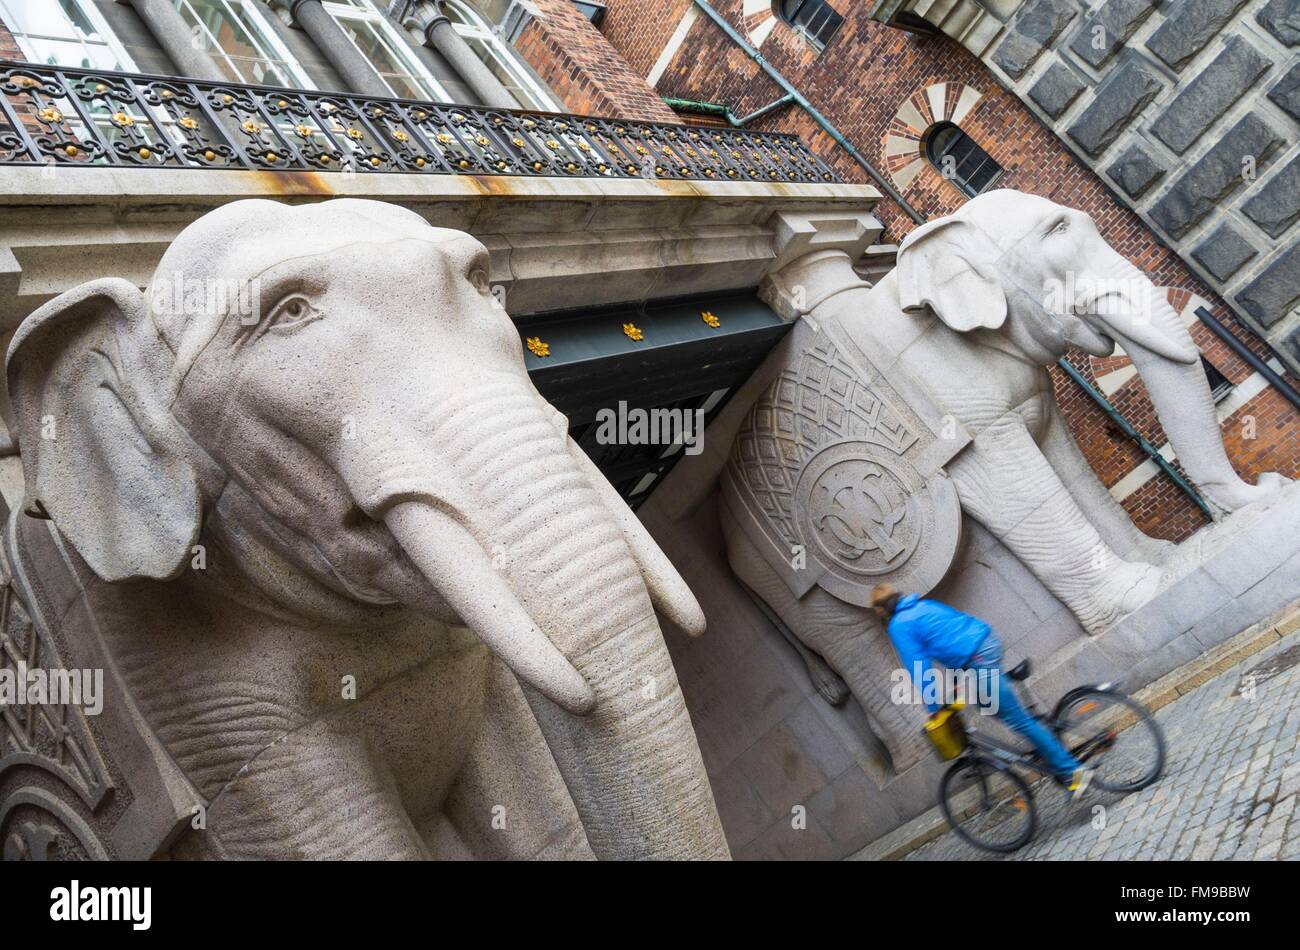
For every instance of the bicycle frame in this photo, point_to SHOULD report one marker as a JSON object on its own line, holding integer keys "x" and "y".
{"x": 1002, "y": 755}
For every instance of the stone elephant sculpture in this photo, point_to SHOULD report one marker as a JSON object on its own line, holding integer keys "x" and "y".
{"x": 834, "y": 464}
{"x": 338, "y": 474}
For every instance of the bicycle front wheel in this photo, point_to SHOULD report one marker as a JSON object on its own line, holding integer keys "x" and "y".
{"x": 1115, "y": 736}
{"x": 991, "y": 808}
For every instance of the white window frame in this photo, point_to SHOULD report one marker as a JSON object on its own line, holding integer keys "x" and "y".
{"x": 261, "y": 30}
{"x": 364, "y": 10}
{"x": 89, "y": 11}
{"x": 480, "y": 29}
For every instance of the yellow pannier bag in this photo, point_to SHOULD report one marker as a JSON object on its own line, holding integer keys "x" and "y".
{"x": 947, "y": 732}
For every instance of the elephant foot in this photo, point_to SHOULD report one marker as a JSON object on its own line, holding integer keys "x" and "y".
{"x": 827, "y": 682}
{"x": 1123, "y": 589}
{"x": 1232, "y": 497}
{"x": 1146, "y": 586}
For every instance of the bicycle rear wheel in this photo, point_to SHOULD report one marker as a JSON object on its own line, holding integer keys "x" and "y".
{"x": 1114, "y": 735}
{"x": 991, "y": 808}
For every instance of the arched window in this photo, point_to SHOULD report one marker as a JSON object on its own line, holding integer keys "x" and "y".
{"x": 499, "y": 57}
{"x": 960, "y": 160}
{"x": 815, "y": 20}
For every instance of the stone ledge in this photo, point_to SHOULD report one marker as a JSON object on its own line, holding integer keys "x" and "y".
{"x": 555, "y": 242}
{"x": 148, "y": 189}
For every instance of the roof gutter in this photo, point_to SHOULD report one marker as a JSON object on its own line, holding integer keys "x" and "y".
{"x": 798, "y": 99}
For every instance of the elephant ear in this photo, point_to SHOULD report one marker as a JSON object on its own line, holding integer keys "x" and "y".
{"x": 947, "y": 265}
{"x": 102, "y": 455}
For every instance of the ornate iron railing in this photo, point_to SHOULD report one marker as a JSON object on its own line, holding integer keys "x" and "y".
{"x": 55, "y": 116}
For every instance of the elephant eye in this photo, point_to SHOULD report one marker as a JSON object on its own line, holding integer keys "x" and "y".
{"x": 293, "y": 311}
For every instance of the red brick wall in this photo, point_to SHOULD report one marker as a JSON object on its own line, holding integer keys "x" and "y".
{"x": 8, "y": 46}
{"x": 583, "y": 70}
{"x": 859, "y": 81}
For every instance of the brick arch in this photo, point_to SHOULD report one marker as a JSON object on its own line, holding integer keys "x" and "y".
{"x": 938, "y": 102}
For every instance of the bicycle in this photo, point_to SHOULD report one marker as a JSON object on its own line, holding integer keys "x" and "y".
{"x": 990, "y": 805}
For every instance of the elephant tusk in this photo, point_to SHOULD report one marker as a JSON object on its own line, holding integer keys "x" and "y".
{"x": 457, "y": 567}
{"x": 668, "y": 591}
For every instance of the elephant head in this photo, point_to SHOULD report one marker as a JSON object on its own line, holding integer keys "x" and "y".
{"x": 1042, "y": 276}
{"x": 333, "y": 391}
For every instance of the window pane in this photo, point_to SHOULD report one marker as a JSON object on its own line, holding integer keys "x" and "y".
{"x": 383, "y": 49}
{"x": 960, "y": 159}
{"x": 456, "y": 15}
{"x": 507, "y": 77}
{"x": 242, "y": 50}
{"x": 60, "y": 33}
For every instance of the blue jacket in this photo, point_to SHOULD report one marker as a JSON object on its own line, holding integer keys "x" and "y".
{"x": 926, "y": 630}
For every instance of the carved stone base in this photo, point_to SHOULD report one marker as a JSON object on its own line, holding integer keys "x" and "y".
{"x": 1223, "y": 579}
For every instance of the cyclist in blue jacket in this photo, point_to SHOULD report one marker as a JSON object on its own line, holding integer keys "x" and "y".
{"x": 926, "y": 631}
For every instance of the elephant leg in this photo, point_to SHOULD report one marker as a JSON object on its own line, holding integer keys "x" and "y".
{"x": 847, "y": 637}
{"x": 1004, "y": 482}
{"x": 1098, "y": 506}
{"x": 829, "y": 685}
{"x": 321, "y": 792}
{"x": 509, "y": 801}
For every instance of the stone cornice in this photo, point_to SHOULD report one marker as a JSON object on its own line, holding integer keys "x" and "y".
{"x": 555, "y": 243}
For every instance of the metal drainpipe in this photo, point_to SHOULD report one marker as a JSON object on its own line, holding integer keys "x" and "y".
{"x": 1152, "y": 453}
{"x": 715, "y": 108}
{"x": 825, "y": 123}
{"x": 1254, "y": 362}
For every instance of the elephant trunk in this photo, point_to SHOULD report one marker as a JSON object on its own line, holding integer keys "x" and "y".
{"x": 1140, "y": 317}
{"x": 538, "y": 564}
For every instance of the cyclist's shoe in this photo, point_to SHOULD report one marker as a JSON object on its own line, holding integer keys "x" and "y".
{"x": 1079, "y": 782}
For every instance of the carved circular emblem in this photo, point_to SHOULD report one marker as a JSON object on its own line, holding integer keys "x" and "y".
{"x": 866, "y": 517}
{"x": 37, "y": 826}
{"x": 862, "y": 515}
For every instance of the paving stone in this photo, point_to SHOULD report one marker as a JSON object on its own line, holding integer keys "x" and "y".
{"x": 1286, "y": 93}
{"x": 1039, "y": 23}
{"x": 1188, "y": 26}
{"x": 1272, "y": 295}
{"x": 1224, "y": 252}
{"x": 1225, "y": 80}
{"x": 1282, "y": 19}
{"x": 1215, "y": 175}
{"x": 1120, "y": 97}
{"x": 1106, "y": 30}
{"x": 1056, "y": 89}
{"x": 1276, "y": 205}
{"x": 1170, "y": 820}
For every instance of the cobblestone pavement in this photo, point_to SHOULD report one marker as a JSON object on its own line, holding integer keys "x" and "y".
{"x": 1229, "y": 790}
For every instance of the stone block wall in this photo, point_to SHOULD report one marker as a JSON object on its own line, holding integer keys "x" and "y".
{"x": 1189, "y": 109}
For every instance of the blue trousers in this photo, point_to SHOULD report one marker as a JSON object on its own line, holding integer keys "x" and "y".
{"x": 989, "y": 658}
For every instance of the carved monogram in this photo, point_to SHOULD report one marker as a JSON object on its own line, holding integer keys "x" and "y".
{"x": 823, "y": 399}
